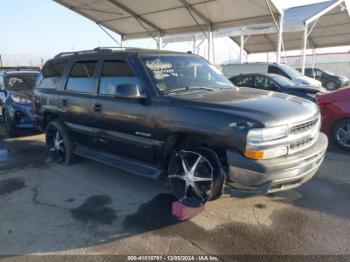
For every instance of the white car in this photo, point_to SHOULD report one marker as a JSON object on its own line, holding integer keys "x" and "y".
{"x": 230, "y": 70}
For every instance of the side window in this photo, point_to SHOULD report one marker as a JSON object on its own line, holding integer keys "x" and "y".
{"x": 308, "y": 72}
{"x": 318, "y": 73}
{"x": 244, "y": 81}
{"x": 115, "y": 73}
{"x": 260, "y": 82}
{"x": 277, "y": 71}
{"x": 50, "y": 77}
{"x": 81, "y": 77}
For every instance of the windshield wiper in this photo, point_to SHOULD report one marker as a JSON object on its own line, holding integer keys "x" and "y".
{"x": 189, "y": 88}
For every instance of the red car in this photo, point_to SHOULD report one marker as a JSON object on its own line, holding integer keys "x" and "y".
{"x": 335, "y": 110}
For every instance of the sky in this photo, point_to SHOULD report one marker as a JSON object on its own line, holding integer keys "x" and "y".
{"x": 33, "y": 29}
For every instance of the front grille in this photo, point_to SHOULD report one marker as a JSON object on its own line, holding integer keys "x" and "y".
{"x": 301, "y": 144}
{"x": 304, "y": 126}
{"x": 305, "y": 135}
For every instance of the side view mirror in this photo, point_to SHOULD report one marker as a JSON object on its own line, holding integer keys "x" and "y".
{"x": 129, "y": 91}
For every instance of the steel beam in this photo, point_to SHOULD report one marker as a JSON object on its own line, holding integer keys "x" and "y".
{"x": 135, "y": 15}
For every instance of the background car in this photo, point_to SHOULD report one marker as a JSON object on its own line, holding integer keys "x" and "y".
{"x": 287, "y": 71}
{"x": 328, "y": 79}
{"x": 335, "y": 110}
{"x": 276, "y": 83}
{"x": 16, "y": 92}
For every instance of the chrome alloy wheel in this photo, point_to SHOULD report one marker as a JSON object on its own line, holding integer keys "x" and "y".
{"x": 56, "y": 146}
{"x": 343, "y": 135}
{"x": 191, "y": 177}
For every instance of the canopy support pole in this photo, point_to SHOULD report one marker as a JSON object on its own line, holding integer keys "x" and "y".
{"x": 280, "y": 38}
{"x": 194, "y": 45}
{"x": 242, "y": 47}
{"x": 314, "y": 59}
{"x": 160, "y": 43}
{"x": 304, "y": 49}
{"x": 210, "y": 41}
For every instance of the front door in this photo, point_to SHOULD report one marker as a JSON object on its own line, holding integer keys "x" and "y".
{"x": 122, "y": 126}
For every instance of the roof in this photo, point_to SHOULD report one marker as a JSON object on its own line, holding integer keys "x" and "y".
{"x": 329, "y": 21}
{"x": 140, "y": 19}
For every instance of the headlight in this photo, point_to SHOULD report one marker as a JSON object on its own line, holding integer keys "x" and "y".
{"x": 267, "y": 134}
{"x": 20, "y": 100}
{"x": 257, "y": 136}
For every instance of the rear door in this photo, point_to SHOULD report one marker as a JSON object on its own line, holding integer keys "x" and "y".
{"x": 122, "y": 126}
{"x": 75, "y": 102}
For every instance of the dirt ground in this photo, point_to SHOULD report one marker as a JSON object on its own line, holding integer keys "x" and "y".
{"x": 90, "y": 208}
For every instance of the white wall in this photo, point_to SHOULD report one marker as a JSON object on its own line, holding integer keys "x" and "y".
{"x": 338, "y": 63}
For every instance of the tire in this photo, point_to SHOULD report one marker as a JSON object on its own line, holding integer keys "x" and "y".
{"x": 59, "y": 143}
{"x": 341, "y": 134}
{"x": 10, "y": 129}
{"x": 196, "y": 176}
{"x": 331, "y": 86}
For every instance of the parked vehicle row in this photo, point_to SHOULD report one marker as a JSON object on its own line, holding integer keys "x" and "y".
{"x": 231, "y": 70}
{"x": 328, "y": 79}
{"x": 276, "y": 83}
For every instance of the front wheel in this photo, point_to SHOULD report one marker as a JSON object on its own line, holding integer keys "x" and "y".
{"x": 59, "y": 143}
{"x": 196, "y": 176}
{"x": 331, "y": 86}
{"x": 341, "y": 134}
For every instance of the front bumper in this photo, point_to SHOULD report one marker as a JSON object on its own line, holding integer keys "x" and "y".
{"x": 284, "y": 173}
{"x": 22, "y": 116}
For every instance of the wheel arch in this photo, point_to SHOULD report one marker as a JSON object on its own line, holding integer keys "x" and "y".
{"x": 185, "y": 140}
{"x": 48, "y": 117}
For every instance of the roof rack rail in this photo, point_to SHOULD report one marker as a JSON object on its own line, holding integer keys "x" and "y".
{"x": 101, "y": 48}
{"x": 74, "y": 53}
{"x": 97, "y": 49}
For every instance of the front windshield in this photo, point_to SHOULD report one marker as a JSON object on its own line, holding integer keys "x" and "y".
{"x": 20, "y": 82}
{"x": 291, "y": 71}
{"x": 283, "y": 81}
{"x": 175, "y": 73}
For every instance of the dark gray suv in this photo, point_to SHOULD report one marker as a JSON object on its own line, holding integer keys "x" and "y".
{"x": 157, "y": 113}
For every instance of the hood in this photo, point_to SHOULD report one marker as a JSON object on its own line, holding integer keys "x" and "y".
{"x": 308, "y": 81}
{"x": 267, "y": 108}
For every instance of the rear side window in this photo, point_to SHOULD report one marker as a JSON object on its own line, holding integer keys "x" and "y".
{"x": 81, "y": 77}
{"x": 277, "y": 71}
{"x": 115, "y": 73}
{"x": 50, "y": 77}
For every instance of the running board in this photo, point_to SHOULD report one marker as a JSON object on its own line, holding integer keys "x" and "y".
{"x": 119, "y": 162}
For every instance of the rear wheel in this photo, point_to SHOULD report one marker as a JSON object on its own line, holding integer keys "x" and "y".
{"x": 341, "y": 134}
{"x": 59, "y": 143}
{"x": 196, "y": 176}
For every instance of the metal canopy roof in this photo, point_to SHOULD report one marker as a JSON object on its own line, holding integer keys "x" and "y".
{"x": 328, "y": 24}
{"x": 140, "y": 19}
